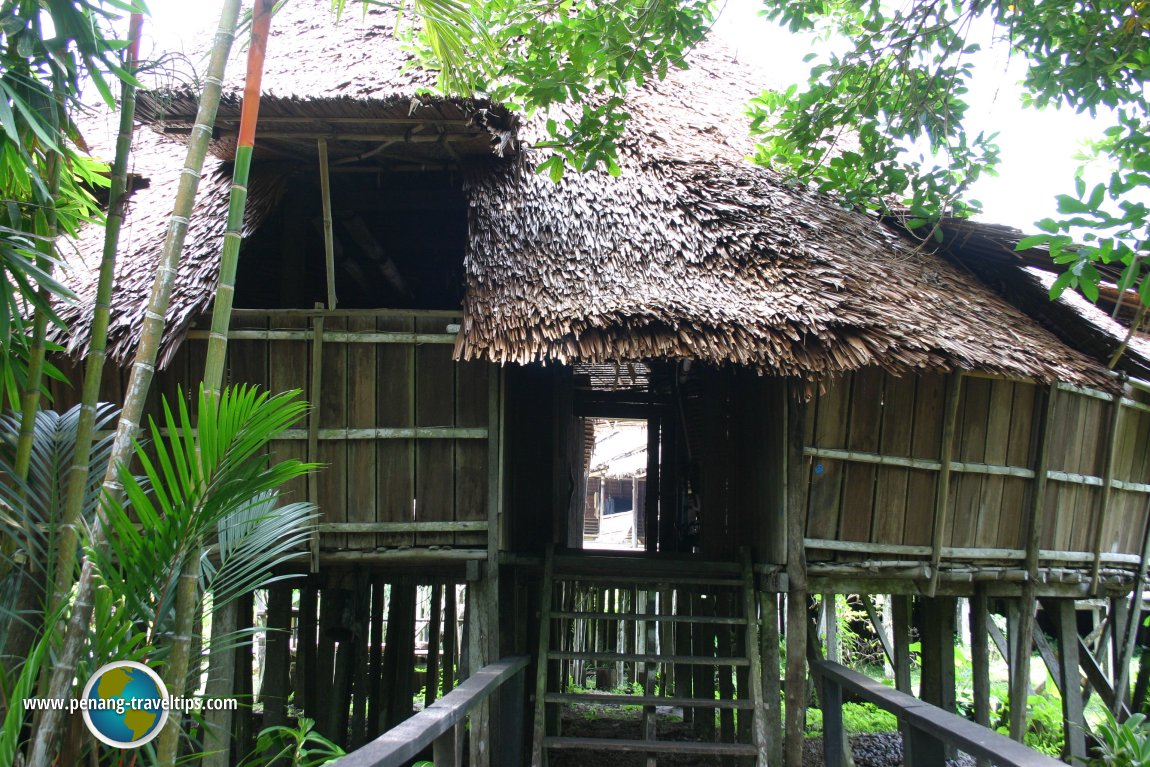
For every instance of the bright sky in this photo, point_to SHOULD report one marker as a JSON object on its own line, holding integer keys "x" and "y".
{"x": 1037, "y": 148}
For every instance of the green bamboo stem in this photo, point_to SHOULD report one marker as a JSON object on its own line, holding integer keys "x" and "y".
{"x": 143, "y": 369}
{"x": 176, "y": 668}
{"x": 77, "y": 476}
{"x": 221, "y": 676}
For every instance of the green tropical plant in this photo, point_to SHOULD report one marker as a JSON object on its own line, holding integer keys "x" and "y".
{"x": 301, "y": 746}
{"x": 882, "y": 122}
{"x": 30, "y": 514}
{"x": 1122, "y": 744}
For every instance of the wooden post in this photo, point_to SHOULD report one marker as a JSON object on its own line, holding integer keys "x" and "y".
{"x": 306, "y": 696}
{"x": 1023, "y": 642}
{"x": 1104, "y": 496}
{"x": 772, "y": 684}
{"x": 274, "y": 691}
{"x": 795, "y": 514}
{"x": 880, "y": 630}
{"x": 313, "y": 430}
{"x": 831, "y": 628}
{"x": 450, "y": 637}
{"x": 980, "y": 657}
{"x": 942, "y": 495}
{"x": 538, "y": 753}
{"x": 900, "y": 608}
{"x": 434, "y": 624}
{"x": 1134, "y": 620}
{"x": 328, "y": 238}
{"x": 938, "y": 652}
{"x": 759, "y": 735}
{"x": 1073, "y": 721}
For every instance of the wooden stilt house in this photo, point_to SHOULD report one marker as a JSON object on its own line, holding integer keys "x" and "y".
{"x": 831, "y": 408}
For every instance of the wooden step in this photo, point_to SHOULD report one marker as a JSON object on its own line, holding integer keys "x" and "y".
{"x": 725, "y": 621}
{"x": 644, "y": 746}
{"x": 645, "y": 700}
{"x": 683, "y": 660}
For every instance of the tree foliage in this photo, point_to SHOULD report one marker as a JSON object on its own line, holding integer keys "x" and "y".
{"x": 882, "y": 124}
{"x": 537, "y": 55}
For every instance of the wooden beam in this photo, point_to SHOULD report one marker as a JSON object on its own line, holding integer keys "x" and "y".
{"x": 942, "y": 495}
{"x": 1103, "y": 506}
{"x": 313, "y": 430}
{"x": 980, "y": 658}
{"x": 1134, "y": 621}
{"x": 328, "y": 235}
{"x": 879, "y": 629}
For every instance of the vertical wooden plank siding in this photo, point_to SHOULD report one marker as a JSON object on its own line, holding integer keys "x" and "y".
{"x": 890, "y": 506}
{"x": 942, "y": 500}
{"x": 991, "y": 513}
{"x": 395, "y": 467}
{"x": 287, "y": 370}
{"x": 926, "y": 441}
{"x": 857, "y": 509}
{"x": 333, "y": 408}
{"x": 362, "y": 494}
{"x": 826, "y": 475}
{"x": 471, "y": 405}
{"x": 1011, "y": 527}
{"x": 970, "y": 445}
{"x": 435, "y": 458}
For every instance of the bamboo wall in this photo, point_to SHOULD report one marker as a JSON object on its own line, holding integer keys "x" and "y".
{"x": 878, "y": 447}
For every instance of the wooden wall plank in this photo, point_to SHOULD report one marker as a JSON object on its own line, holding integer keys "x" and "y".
{"x": 395, "y": 467}
{"x": 289, "y": 366}
{"x": 1018, "y": 453}
{"x": 333, "y": 403}
{"x": 926, "y": 442}
{"x": 892, "y": 482}
{"x": 435, "y": 459}
{"x": 362, "y": 493}
{"x": 471, "y": 390}
{"x": 826, "y": 475}
{"x": 857, "y": 508}
{"x": 971, "y": 429}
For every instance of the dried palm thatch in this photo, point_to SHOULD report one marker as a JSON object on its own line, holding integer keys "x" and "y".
{"x": 693, "y": 253}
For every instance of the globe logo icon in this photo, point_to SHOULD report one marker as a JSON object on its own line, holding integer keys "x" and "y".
{"x": 124, "y": 704}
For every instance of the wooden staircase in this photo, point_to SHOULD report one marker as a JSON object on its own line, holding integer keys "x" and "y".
{"x": 667, "y": 635}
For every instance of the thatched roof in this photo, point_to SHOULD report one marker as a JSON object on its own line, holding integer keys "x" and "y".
{"x": 352, "y": 84}
{"x": 694, "y": 253}
{"x": 691, "y": 253}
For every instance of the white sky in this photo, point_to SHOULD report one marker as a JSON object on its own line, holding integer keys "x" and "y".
{"x": 1037, "y": 148}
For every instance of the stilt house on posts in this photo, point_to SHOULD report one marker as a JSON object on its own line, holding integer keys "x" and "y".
{"x": 830, "y": 405}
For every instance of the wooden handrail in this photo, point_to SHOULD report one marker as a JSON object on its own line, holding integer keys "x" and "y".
{"x": 406, "y": 740}
{"x": 930, "y": 726}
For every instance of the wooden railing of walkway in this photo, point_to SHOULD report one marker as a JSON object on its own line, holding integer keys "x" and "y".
{"x": 440, "y": 724}
{"x": 928, "y": 729}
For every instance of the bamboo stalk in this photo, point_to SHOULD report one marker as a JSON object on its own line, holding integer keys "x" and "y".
{"x": 328, "y": 241}
{"x": 313, "y": 430}
{"x": 143, "y": 369}
{"x": 77, "y": 477}
{"x": 222, "y": 660}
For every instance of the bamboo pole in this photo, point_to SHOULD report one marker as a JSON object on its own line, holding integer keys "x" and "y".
{"x": 77, "y": 476}
{"x": 221, "y": 682}
{"x": 942, "y": 497}
{"x": 328, "y": 239}
{"x": 143, "y": 370}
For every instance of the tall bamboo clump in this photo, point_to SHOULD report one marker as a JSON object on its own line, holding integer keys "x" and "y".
{"x": 143, "y": 369}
